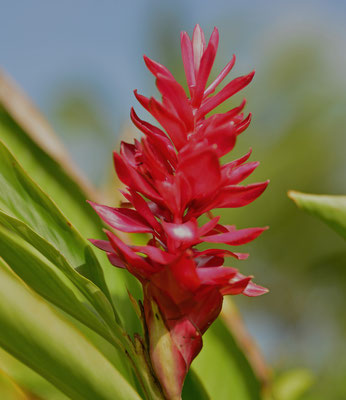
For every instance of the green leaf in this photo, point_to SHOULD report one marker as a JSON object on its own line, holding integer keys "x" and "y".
{"x": 48, "y": 281}
{"x": 22, "y": 199}
{"x": 229, "y": 375}
{"x": 328, "y": 208}
{"x": 194, "y": 388}
{"x": 35, "y": 334}
{"x": 92, "y": 293}
{"x": 29, "y": 136}
{"x": 291, "y": 385}
{"x": 9, "y": 390}
{"x": 29, "y": 380}
{"x": 85, "y": 301}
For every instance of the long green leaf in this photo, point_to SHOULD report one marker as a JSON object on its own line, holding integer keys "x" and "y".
{"x": 9, "y": 390}
{"x": 94, "y": 295}
{"x": 35, "y": 334}
{"x": 292, "y": 384}
{"x": 29, "y": 380}
{"x": 328, "y": 208}
{"x": 29, "y": 136}
{"x": 194, "y": 388}
{"x": 229, "y": 376}
{"x": 47, "y": 280}
{"x": 21, "y": 198}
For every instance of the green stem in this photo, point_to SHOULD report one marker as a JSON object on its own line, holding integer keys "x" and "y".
{"x": 138, "y": 357}
{"x": 140, "y": 362}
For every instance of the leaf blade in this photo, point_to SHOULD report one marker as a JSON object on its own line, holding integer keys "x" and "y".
{"x": 193, "y": 387}
{"x": 232, "y": 375}
{"x": 9, "y": 389}
{"x": 35, "y": 334}
{"x": 47, "y": 280}
{"x": 331, "y": 209}
{"x": 89, "y": 290}
{"x": 21, "y": 198}
{"x": 32, "y": 139}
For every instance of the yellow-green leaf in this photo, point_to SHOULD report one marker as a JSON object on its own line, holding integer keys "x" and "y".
{"x": 35, "y": 334}
{"x": 229, "y": 375}
{"x": 22, "y": 199}
{"x": 48, "y": 281}
{"x": 58, "y": 262}
{"x": 9, "y": 390}
{"x": 292, "y": 384}
{"x": 30, "y": 137}
{"x": 330, "y": 209}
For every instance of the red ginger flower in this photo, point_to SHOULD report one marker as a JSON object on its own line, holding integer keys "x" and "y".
{"x": 173, "y": 176}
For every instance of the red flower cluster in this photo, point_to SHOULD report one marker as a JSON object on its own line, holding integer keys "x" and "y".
{"x": 173, "y": 176}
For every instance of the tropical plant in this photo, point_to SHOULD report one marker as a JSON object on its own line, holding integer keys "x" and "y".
{"x": 66, "y": 313}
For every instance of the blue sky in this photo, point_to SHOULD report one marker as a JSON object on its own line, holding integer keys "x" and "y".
{"x": 46, "y": 43}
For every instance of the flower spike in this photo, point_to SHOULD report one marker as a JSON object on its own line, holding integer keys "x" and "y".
{"x": 173, "y": 176}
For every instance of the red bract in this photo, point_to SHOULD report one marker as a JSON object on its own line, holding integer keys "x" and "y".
{"x": 174, "y": 176}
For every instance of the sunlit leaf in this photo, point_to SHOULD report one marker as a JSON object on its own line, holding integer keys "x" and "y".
{"x": 229, "y": 374}
{"x": 194, "y": 387}
{"x": 21, "y": 198}
{"x": 330, "y": 209}
{"x": 47, "y": 280}
{"x": 50, "y": 282}
{"x": 29, "y": 380}
{"x": 9, "y": 390}
{"x": 32, "y": 140}
{"x": 29, "y": 136}
{"x": 92, "y": 293}
{"x": 292, "y": 384}
{"x": 35, "y": 334}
